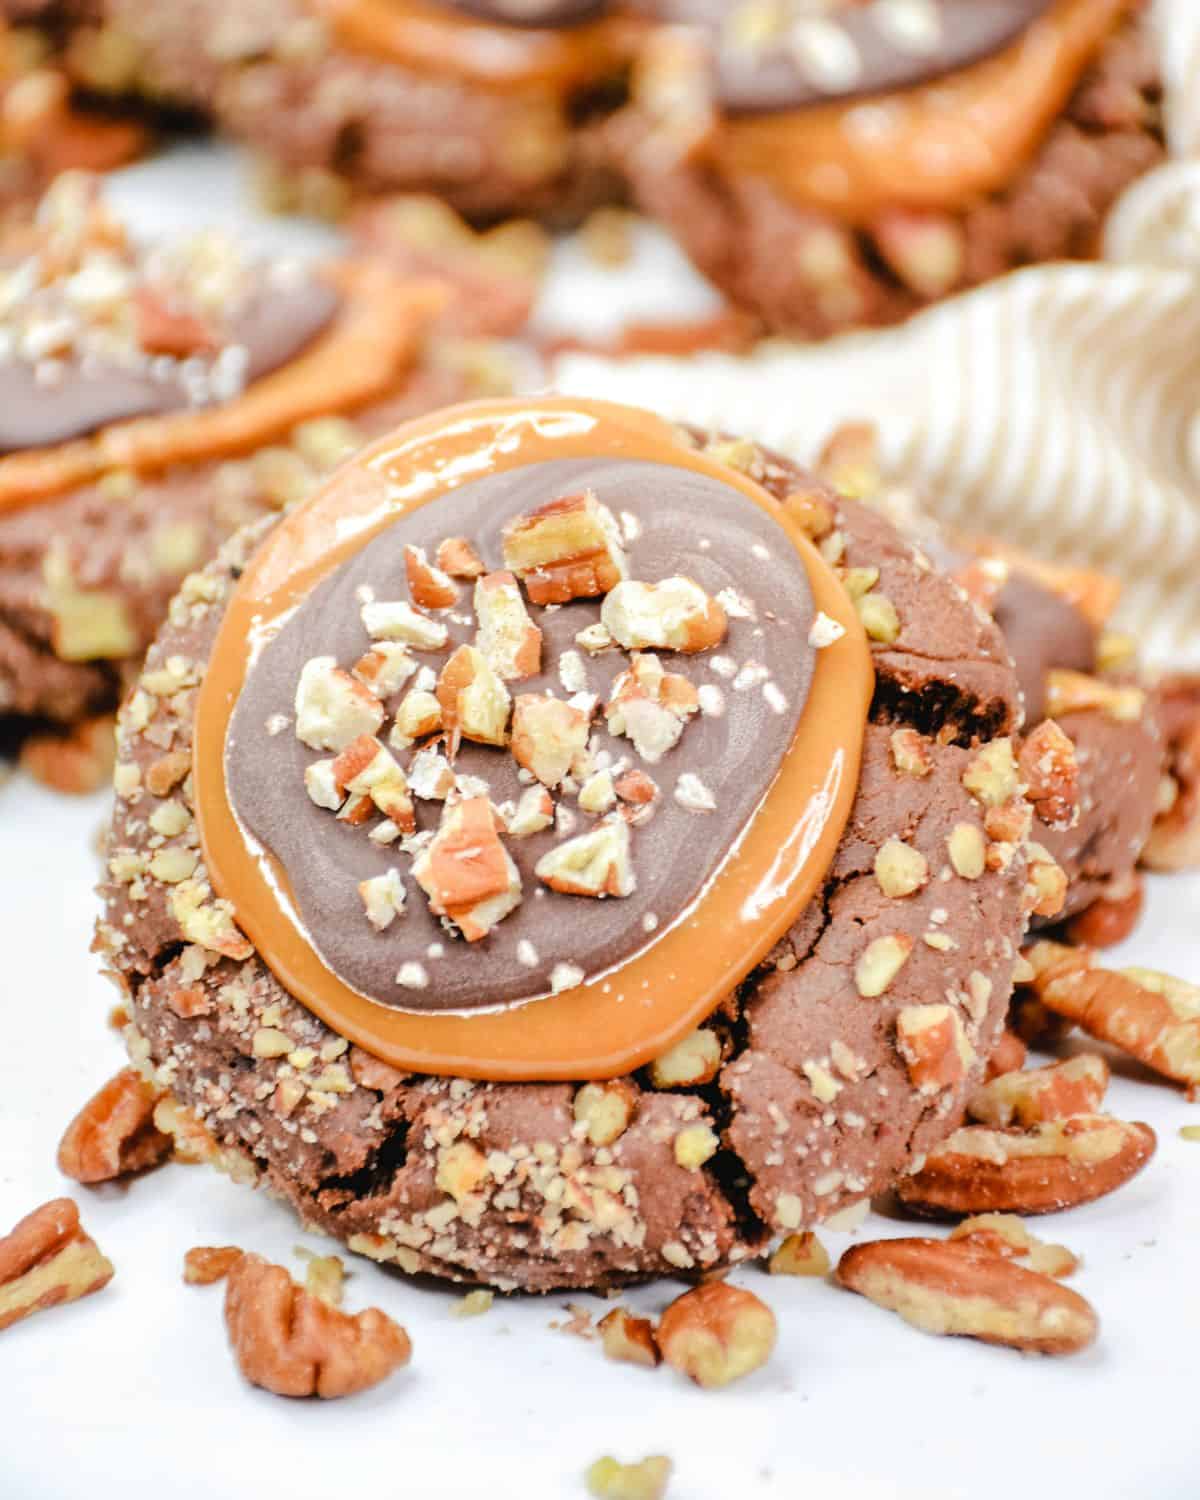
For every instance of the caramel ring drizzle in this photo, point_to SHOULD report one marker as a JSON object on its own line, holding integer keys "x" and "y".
{"x": 427, "y": 38}
{"x": 938, "y": 145}
{"x": 362, "y": 357}
{"x": 614, "y": 1022}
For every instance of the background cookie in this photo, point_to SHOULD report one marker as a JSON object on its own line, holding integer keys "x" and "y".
{"x": 809, "y": 270}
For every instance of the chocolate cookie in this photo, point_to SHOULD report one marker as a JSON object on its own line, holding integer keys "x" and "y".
{"x": 586, "y": 1126}
{"x": 820, "y": 168}
{"x": 487, "y": 106}
{"x": 153, "y": 401}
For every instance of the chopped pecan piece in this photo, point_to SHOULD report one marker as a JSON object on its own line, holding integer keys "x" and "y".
{"x": 628, "y": 1338}
{"x": 474, "y": 701}
{"x": 382, "y": 899}
{"x": 428, "y": 586}
{"x": 1074, "y": 692}
{"x": 366, "y": 769}
{"x": 46, "y": 1259}
{"x": 567, "y": 549}
{"x": 205, "y": 1264}
{"x": 1051, "y": 773}
{"x": 466, "y": 871}
{"x": 395, "y": 620}
{"x": 166, "y": 329}
{"x": 548, "y": 736}
{"x": 674, "y": 615}
{"x": 650, "y": 706}
{"x": 717, "y": 1333}
{"x": 419, "y": 715}
{"x": 508, "y": 638}
{"x": 385, "y": 668}
{"x": 596, "y": 863}
{"x": 332, "y": 708}
{"x": 800, "y": 1255}
{"x": 458, "y": 557}
{"x": 934, "y": 1046}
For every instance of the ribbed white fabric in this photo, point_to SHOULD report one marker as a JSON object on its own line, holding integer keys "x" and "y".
{"x": 1059, "y": 407}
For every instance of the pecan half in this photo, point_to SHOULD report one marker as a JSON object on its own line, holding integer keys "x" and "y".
{"x": 114, "y": 1134}
{"x": 1149, "y": 1015}
{"x": 947, "y": 1287}
{"x": 294, "y": 1344}
{"x": 1056, "y": 1165}
{"x": 46, "y": 1259}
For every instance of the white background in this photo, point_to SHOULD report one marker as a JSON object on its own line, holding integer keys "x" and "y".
{"x": 133, "y": 1392}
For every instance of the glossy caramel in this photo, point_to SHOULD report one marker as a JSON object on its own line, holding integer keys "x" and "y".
{"x": 616, "y": 1021}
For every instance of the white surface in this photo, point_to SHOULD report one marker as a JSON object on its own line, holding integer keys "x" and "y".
{"x": 133, "y": 1392}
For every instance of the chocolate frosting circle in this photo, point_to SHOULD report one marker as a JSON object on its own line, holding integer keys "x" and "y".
{"x": 850, "y": 51}
{"x": 687, "y": 523}
{"x": 273, "y": 325}
{"x": 532, "y": 13}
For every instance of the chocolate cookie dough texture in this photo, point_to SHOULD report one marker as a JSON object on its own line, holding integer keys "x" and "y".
{"x": 1092, "y": 749}
{"x": 1097, "y": 736}
{"x": 488, "y": 106}
{"x": 153, "y": 401}
{"x": 839, "y": 165}
{"x": 518, "y": 821}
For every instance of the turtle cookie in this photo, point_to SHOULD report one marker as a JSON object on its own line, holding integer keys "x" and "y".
{"x": 154, "y": 399}
{"x": 563, "y": 851}
{"x": 841, "y": 165}
{"x": 490, "y": 105}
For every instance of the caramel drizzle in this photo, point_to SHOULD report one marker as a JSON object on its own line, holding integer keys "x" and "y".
{"x": 361, "y": 358}
{"x": 613, "y": 1022}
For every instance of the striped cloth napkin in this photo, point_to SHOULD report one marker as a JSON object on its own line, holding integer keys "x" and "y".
{"x": 1058, "y": 408}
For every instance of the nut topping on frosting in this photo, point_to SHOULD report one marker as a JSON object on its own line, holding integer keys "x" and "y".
{"x": 508, "y": 638}
{"x": 549, "y": 759}
{"x": 397, "y": 621}
{"x": 466, "y": 871}
{"x": 593, "y": 864}
{"x": 429, "y": 586}
{"x": 95, "y": 329}
{"x": 675, "y": 615}
{"x": 332, "y": 708}
{"x": 651, "y": 706}
{"x": 548, "y": 736}
{"x": 474, "y": 702}
{"x": 568, "y": 549}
